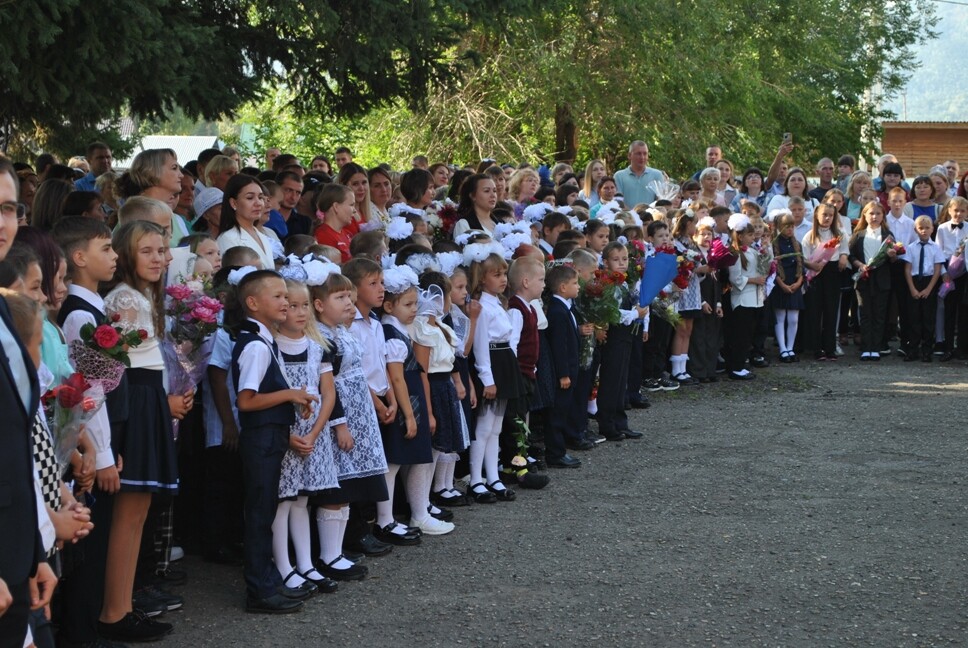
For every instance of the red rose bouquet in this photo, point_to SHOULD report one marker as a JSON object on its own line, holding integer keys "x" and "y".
{"x": 823, "y": 254}
{"x": 600, "y": 297}
{"x": 720, "y": 257}
{"x": 879, "y": 259}
{"x": 448, "y": 219}
{"x": 685, "y": 266}
{"x": 68, "y": 407}
{"x": 101, "y": 355}
{"x": 636, "y": 250}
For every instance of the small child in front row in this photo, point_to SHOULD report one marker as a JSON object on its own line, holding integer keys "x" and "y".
{"x": 265, "y": 402}
{"x": 577, "y": 435}
{"x": 787, "y": 295}
{"x": 746, "y": 295}
{"x": 922, "y": 271}
{"x": 704, "y": 343}
{"x": 498, "y": 376}
{"x": 435, "y": 347}
{"x": 308, "y": 466}
{"x": 406, "y": 440}
{"x": 563, "y": 334}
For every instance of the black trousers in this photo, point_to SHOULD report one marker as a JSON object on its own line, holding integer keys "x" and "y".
{"x": 262, "y": 450}
{"x": 633, "y": 390}
{"x": 557, "y": 429}
{"x": 13, "y": 624}
{"x": 955, "y": 321}
{"x": 899, "y": 307}
{"x": 222, "y": 506}
{"x": 872, "y": 305}
{"x": 822, "y": 299}
{"x": 82, "y": 590}
{"x": 923, "y": 314}
{"x": 656, "y": 351}
{"x": 581, "y": 392}
{"x": 740, "y": 333}
{"x": 613, "y": 380}
{"x": 704, "y": 346}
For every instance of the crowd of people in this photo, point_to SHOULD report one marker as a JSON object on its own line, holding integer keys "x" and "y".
{"x": 371, "y": 349}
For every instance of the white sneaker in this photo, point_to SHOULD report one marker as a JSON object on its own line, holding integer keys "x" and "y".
{"x": 838, "y": 351}
{"x": 433, "y": 526}
{"x": 177, "y": 553}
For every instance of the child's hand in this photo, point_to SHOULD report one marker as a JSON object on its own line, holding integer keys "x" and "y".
{"x": 459, "y": 386}
{"x": 473, "y": 309}
{"x": 641, "y": 310}
{"x": 842, "y": 264}
{"x": 71, "y": 525}
{"x": 473, "y": 397}
{"x": 411, "y": 428}
{"x": 230, "y": 437}
{"x": 586, "y": 329}
{"x": 600, "y": 335}
{"x": 490, "y": 392}
{"x": 176, "y": 403}
{"x": 344, "y": 440}
{"x": 565, "y": 383}
{"x": 300, "y": 445}
{"x": 303, "y": 401}
{"x": 108, "y": 479}
{"x": 390, "y": 413}
{"x": 915, "y": 294}
{"x": 706, "y": 308}
{"x": 645, "y": 336}
{"x": 433, "y": 425}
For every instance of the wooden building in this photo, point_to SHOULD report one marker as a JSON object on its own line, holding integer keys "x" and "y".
{"x": 921, "y": 145}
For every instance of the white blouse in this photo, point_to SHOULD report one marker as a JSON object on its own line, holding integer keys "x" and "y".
{"x": 493, "y": 325}
{"x": 744, "y": 293}
{"x": 259, "y": 243}
{"x": 135, "y": 310}
{"x": 396, "y": 349}
{"x": 442, "y": 352}
{"x": 809, "y": 246}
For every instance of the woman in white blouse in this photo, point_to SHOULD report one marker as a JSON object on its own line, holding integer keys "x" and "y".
{"x": 242, "y": 207}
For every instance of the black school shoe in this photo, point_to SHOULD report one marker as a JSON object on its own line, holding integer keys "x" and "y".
{"x": 632, "y": 434}
{"x": 354, "y": 573}
{"x": 150, "y": 592}
{"x": 386, "y": 534}
{"x": 134, "y": 627}
{"x": 275, "y": 604}
{"x": 368, "y": 545}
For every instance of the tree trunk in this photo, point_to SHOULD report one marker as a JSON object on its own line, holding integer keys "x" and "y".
{"x": 566, "y": 134}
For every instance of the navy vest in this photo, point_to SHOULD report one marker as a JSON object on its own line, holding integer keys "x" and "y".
{"x": 117, "y": 400}
{"x": 274, "y": 380}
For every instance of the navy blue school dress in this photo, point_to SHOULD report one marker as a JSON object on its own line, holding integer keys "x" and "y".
{"x": 398, "y": 449}
{"x": 779, "y": 298}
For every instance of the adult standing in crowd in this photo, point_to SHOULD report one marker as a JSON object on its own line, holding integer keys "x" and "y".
{"x": 292, "y": 189}
{"x": 634, "y": 182}
{"x": 825, "y": 171}
{"x": 99, "y": 159}
{"x": 714, "y": 154}
{"x": 951, "y": 166}
{"x": 26, "y": 580}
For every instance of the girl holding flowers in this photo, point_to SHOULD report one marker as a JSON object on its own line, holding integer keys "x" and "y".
{"x": 873, "y": 285}
{"x": 825, "y": 255}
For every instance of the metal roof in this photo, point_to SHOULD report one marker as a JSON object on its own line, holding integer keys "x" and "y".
{"x": 186, "y": 147}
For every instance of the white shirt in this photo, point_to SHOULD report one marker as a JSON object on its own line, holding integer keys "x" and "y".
{"x": 744, "y": 293}
{"x": 902, "y": 228}
{"x": 949, "y": 238}
{"x": 781, "y": 201}
{"x": 369, "y": 333}
{"x": 809, "y": 247}
{"x": 255, "y": 359}
{"x": 493, "y": 325}
{"x": 99, "y": 427}
{"x": 259, "y": 243}
{"x": 872, "y": 243}
{"x": 801, "y": 230}
{"x": 932, "y": 256}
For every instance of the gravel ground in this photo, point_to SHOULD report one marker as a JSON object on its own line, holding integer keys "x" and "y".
{"x": 820, "y": 505}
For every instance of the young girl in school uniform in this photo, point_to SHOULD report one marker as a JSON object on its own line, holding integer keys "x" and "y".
{"x": 689, "y": 305}
{"x": 597, "y": 236}
{"x": 823, "y": 291}
{"x": 435, "y": 347}
{"x": 746, "y": 295}
{"x": 704, "y": 343}
{"x": 951, "y": 239}
{"x": 358, "y": 450}
{"x": 787, "y": 296}
{"x": 147, "y": 446}
{"x": 308, "y": 467}
{"x": 406, "y": 440}
{"x": 498, "y": 377}
{"x": 874, "y": 289}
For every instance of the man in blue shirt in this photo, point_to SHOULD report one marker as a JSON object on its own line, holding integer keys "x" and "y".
{"x": 99, "y": 159}
{"x": 634, "y": 182}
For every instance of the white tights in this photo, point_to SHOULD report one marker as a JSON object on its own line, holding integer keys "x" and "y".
{"x": 485, "y": 449}
{"x": 787, "y": 322}
{"x": 292, "y": 521}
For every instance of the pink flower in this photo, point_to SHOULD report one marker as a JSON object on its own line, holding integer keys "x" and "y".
{"x": 209, "y": 303}
{"x": 203, "y": 314}
{"x": 179, "y": 292}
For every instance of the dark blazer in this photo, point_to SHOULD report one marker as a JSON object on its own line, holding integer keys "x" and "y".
{"x": 21, "y": 548}
{"x": 880, "y": 278}
{"x": 564, "y": 340}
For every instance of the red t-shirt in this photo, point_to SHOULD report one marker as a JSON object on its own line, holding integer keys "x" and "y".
{"x": 326, "y": 235}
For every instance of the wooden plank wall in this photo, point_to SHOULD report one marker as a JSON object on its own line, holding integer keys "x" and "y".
{"x": 918, "y": 147}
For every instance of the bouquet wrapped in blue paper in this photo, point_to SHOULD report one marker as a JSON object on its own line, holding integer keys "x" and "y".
{"x": 659, "y": 270}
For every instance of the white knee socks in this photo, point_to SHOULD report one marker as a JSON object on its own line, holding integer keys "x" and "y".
{"x": 332, "y": 525}
{"x": 679, "y": 364}
{"x": 384, "y": 510}
{"x": 299, "y": 531}
{"x": 280, "y": 544}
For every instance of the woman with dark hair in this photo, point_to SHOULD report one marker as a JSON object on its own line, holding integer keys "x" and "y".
{"x": 242, "y": 207}
{"x": 751, "y": 188}
{"x": 84, "y": 203}
{"x": 354, "y": 176}
{"x": 794, "y": 185}
{"x": 47, "y": 202}
{"x": 478, "y": 196}
{"x": 456, "y": 182}
{"x": 321, "y": 163}
{"x": 381, "y": 190}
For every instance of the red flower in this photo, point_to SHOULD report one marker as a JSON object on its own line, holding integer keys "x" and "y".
{"x": 116, "y": 317}
{"x": 681, "y": 282}
{"x": 106, "y": 336}
{"x": 143, "y": 334}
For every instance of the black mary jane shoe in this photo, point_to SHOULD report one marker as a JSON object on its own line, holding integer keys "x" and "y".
{"x": 368, "y": 545}
{"x": 444, "y": 515}
{"x": 446, "y": 498}
{"x": 387, "y": 534}
{"x": 504, "y": 494}
{"x": 354, "y": 573}
{"x": 481, "y": 497}
{"x": 325, "y": 585}
{"x": 300, "y": 592}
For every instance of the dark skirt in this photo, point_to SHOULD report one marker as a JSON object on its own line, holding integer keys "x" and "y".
{"x": 448, "y": 414}
{"x": 690, "y": 314}
{"x": 782, "y": 300}
{"x": 544, "y": 388}
{"x": 147, "y": 445}
{"x": 359, "y": 489}
{"x": 506, "y": 373}
{"x": 460, "y": 365}
{"x": 402, "y": 451}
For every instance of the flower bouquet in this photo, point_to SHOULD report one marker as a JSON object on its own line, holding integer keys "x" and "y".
{"x": 193, "y": 319}
{"x": 664, "y": 189}
{"x": 956, "y": 265}
{"x": 879, "y": 259}
{"x": 68, "y": 407}
{"x": 636, "y": 250}
{"x": 448, "y": 219}
{"x": 765, "y": 265}
{"x": 664, "y": 307}
{"x": 600, "y": 297}
{"x": 685, "y": 266}
{"x": 101, "y": 355}
{"x": 720, "y": 256}
{"x": 823, "y": 254}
